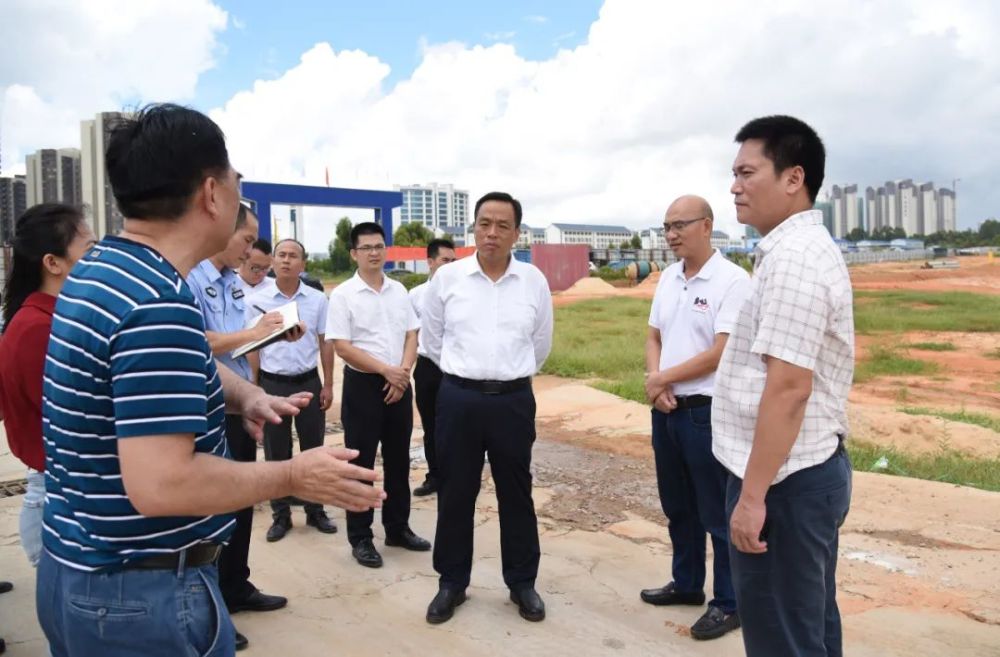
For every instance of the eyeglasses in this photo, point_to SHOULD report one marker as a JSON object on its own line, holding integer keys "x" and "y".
{"x": 370, "y": 248}
{"x": 256, "y": 269}
{"x": 678, "y": 226}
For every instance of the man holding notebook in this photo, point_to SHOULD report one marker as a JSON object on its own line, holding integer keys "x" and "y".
{"x": 292, "y": 366}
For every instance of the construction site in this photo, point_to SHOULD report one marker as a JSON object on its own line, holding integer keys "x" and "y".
{"x": 919, "y": 568}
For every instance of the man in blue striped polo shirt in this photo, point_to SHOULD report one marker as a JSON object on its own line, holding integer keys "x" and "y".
{"x": 140, "y": 488}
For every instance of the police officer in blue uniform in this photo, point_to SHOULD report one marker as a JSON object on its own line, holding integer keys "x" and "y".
{"x": 216, "y": 286}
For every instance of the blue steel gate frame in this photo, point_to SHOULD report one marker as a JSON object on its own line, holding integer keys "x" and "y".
{"x": 263, "y": 195}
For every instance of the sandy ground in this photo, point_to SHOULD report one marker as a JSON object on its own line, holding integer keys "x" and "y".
{"x": 920, "y": 563}
{"x": 919, "y": 568}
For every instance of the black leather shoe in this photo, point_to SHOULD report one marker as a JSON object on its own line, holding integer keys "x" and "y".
{"x": 668, "y": 595}
{"x": 529, "y": 604}
{"x": 322, "y": 522}
{"x": 258, "y": 601}
{"x": 442, "y": 607}
{"x": 279, "y": 529}
{"x": 429, "y": 487}
{"x": 408, "y": 540}
{"x": 241, "y": 642}
{"x": 714, "y": 623}
{"x": 366, "y": 554}
{"x": 5, "y": 587}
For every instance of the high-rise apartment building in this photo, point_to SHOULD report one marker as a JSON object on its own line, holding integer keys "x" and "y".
{"x": 53, "y": 176}
{"x": 13, "y": 203}
{"x": 435, "y": 206}
{"x": 909, "y": 213}
{"x": 96, "y": 187}
{"x": 946, "y": 209}
{"x": 845, "y": 210}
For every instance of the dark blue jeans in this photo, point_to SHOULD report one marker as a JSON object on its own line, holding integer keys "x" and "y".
{"x": 133, "y": 612}
{"x": 693, "y": 496}
{"x": 787, "y": 596}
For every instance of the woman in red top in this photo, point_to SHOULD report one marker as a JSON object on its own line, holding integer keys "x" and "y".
{"x": 48, "y": 240}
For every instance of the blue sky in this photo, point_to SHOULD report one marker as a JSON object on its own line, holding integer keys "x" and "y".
{"x": 263, "y": 41}
{"x": 598, "y": 111}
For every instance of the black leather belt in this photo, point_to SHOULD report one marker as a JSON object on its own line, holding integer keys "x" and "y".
{"x": 294, "y": 378}
{"x": 490, "y": 387}
{"x": 198, "y": 555}
{"x": 692, "y": 401}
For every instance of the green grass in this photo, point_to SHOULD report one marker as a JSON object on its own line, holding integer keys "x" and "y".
{"x": 885, "y": 360}
{"x": 991, "y": 422}
{"x": 995, "y": 353}
{"x": 934, "y": 346}
{"x": 946, "y": 465}
{"x": 899, "y": 311}
{"x": 603, "y": 339}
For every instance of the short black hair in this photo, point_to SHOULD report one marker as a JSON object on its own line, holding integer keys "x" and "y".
{"x": 435, "y": 245}
{"x": 242, "y": 214}
{"x": 263, "y": 246}
{"x": 503, "y": 197}
{"x": 158, "y": 157}
{"x": 789, "y": 142}
{"x": 292, "y": 239}
{"x": 365, "y": 228}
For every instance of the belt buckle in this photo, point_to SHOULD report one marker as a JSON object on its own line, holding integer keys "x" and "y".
{"x": 492, "y": 388}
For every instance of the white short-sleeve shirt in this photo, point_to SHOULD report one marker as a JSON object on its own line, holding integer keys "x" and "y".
{"x": 284, "y": 357}
{"x": 477, "y": 328}
{"x": 417, "y": 300}
{"x": 800, "y": 311}
{"x": 375, "y": 321}
{"x": 689, "y": 313}
{"x": 250, "y": 290}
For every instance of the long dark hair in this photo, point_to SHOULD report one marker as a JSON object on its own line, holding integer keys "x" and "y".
{"x": 44, "y": 228}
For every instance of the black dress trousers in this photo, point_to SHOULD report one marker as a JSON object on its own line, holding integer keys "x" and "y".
{"x": 426, "y": 381}
{"x": 369, "y": 422}
{"x": 234, "y": 569}
{"x": 470, "y": 425}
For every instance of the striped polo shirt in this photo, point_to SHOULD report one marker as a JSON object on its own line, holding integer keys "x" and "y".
{"x": 127, "y": 358}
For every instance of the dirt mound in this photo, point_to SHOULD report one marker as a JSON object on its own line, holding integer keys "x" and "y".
{"x": 650, "y": 281}
{"x": 588, "y": 287}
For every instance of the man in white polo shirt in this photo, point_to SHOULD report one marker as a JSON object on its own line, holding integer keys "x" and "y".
{"x": 374, "y": 329}
{"x": 695, "y": 307}
{"x": 292, "y": 366}
{"x": 779, "y": 415}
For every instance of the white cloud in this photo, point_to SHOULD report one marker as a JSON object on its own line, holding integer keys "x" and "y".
{"x": 537, "y": 19}
{"x": 612, "y": 130}
{"x": 646, "y": 108}
{"x": 62, "y": 62}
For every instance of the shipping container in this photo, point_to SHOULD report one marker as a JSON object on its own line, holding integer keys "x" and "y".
{"x": 524, "y": 255}
{"x": 562, "y": 264}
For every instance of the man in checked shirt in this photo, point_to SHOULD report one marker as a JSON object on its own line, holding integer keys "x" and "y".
{"x": 779, "y": 412}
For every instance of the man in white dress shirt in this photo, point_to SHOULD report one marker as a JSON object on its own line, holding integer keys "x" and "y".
{"x": 426, "y": 374}
{"x": 488, "y": 324}
{"x": 374, "y": 329}
{"x": 779, "y": 415}
{"x": 292, "y": 366}
{"x": 695, "y": 306}
{"x": 253, "y": 271}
